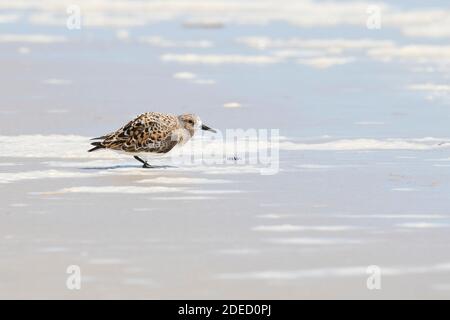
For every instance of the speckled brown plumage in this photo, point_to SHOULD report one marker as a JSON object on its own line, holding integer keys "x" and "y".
{"x": 151, "y": 132}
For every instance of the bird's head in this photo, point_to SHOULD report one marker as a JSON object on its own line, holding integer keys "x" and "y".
{"x": 191, "y": 123}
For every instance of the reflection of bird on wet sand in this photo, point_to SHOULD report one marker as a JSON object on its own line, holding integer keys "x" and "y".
{"x": 151, "y": 133}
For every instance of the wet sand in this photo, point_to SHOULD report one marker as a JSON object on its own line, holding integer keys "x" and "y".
{"x": 227, "y": 231}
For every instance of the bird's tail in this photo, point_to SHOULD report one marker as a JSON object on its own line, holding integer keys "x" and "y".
{"x": 97, "y": 145}
{"x": 101, "y": 138}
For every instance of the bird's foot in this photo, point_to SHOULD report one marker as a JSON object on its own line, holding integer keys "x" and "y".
{"x": 145, "y": 163}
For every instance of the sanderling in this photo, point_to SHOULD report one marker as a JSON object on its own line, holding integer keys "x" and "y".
{"x": 151, "y": 133}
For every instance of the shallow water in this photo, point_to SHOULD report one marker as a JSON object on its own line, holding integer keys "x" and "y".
{"x": 363, "y": 154}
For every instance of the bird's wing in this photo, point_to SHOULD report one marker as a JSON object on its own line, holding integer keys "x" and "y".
{"x": 149, "y": 132}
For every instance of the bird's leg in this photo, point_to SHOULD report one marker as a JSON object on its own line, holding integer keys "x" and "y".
{"x": 145, "y": 163}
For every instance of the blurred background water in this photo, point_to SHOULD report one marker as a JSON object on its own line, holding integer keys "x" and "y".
{"x": 116, "y": 64}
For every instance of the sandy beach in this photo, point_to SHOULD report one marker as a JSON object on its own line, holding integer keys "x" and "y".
{"x": 349, "y": 167}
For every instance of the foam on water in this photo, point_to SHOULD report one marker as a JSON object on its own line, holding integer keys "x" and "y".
{"x": 9, "y": 177}
{"x": 391, "y": 216}
{"x": 305, "y": 13}
{"x": 292, "y": 228}
{"x": 274, "y": 216}
{"x": 422, "y": 225}
{"x": 191, "y": 58}
{"x": 239, "y": 251}
{"x": 159, "y": 41}
{"x": 312, "y": 241}
{"x": 183, "y": 198}
{"x": 368, "y": 144}
{"x": 31, "y": 38}
{"x": 336, "y": 272}
{"x": 75, "y": 147}
{"x": 182, "y": 180}
{"x": 116, "y": 189}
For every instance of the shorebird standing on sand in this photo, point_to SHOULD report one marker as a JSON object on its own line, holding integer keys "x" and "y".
{"x": 151, "y": 133}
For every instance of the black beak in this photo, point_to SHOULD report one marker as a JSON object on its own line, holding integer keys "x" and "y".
{"x": 206, "y": 128}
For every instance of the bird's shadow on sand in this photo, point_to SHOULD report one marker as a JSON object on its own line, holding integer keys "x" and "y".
{"x": 127, "y": 166}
